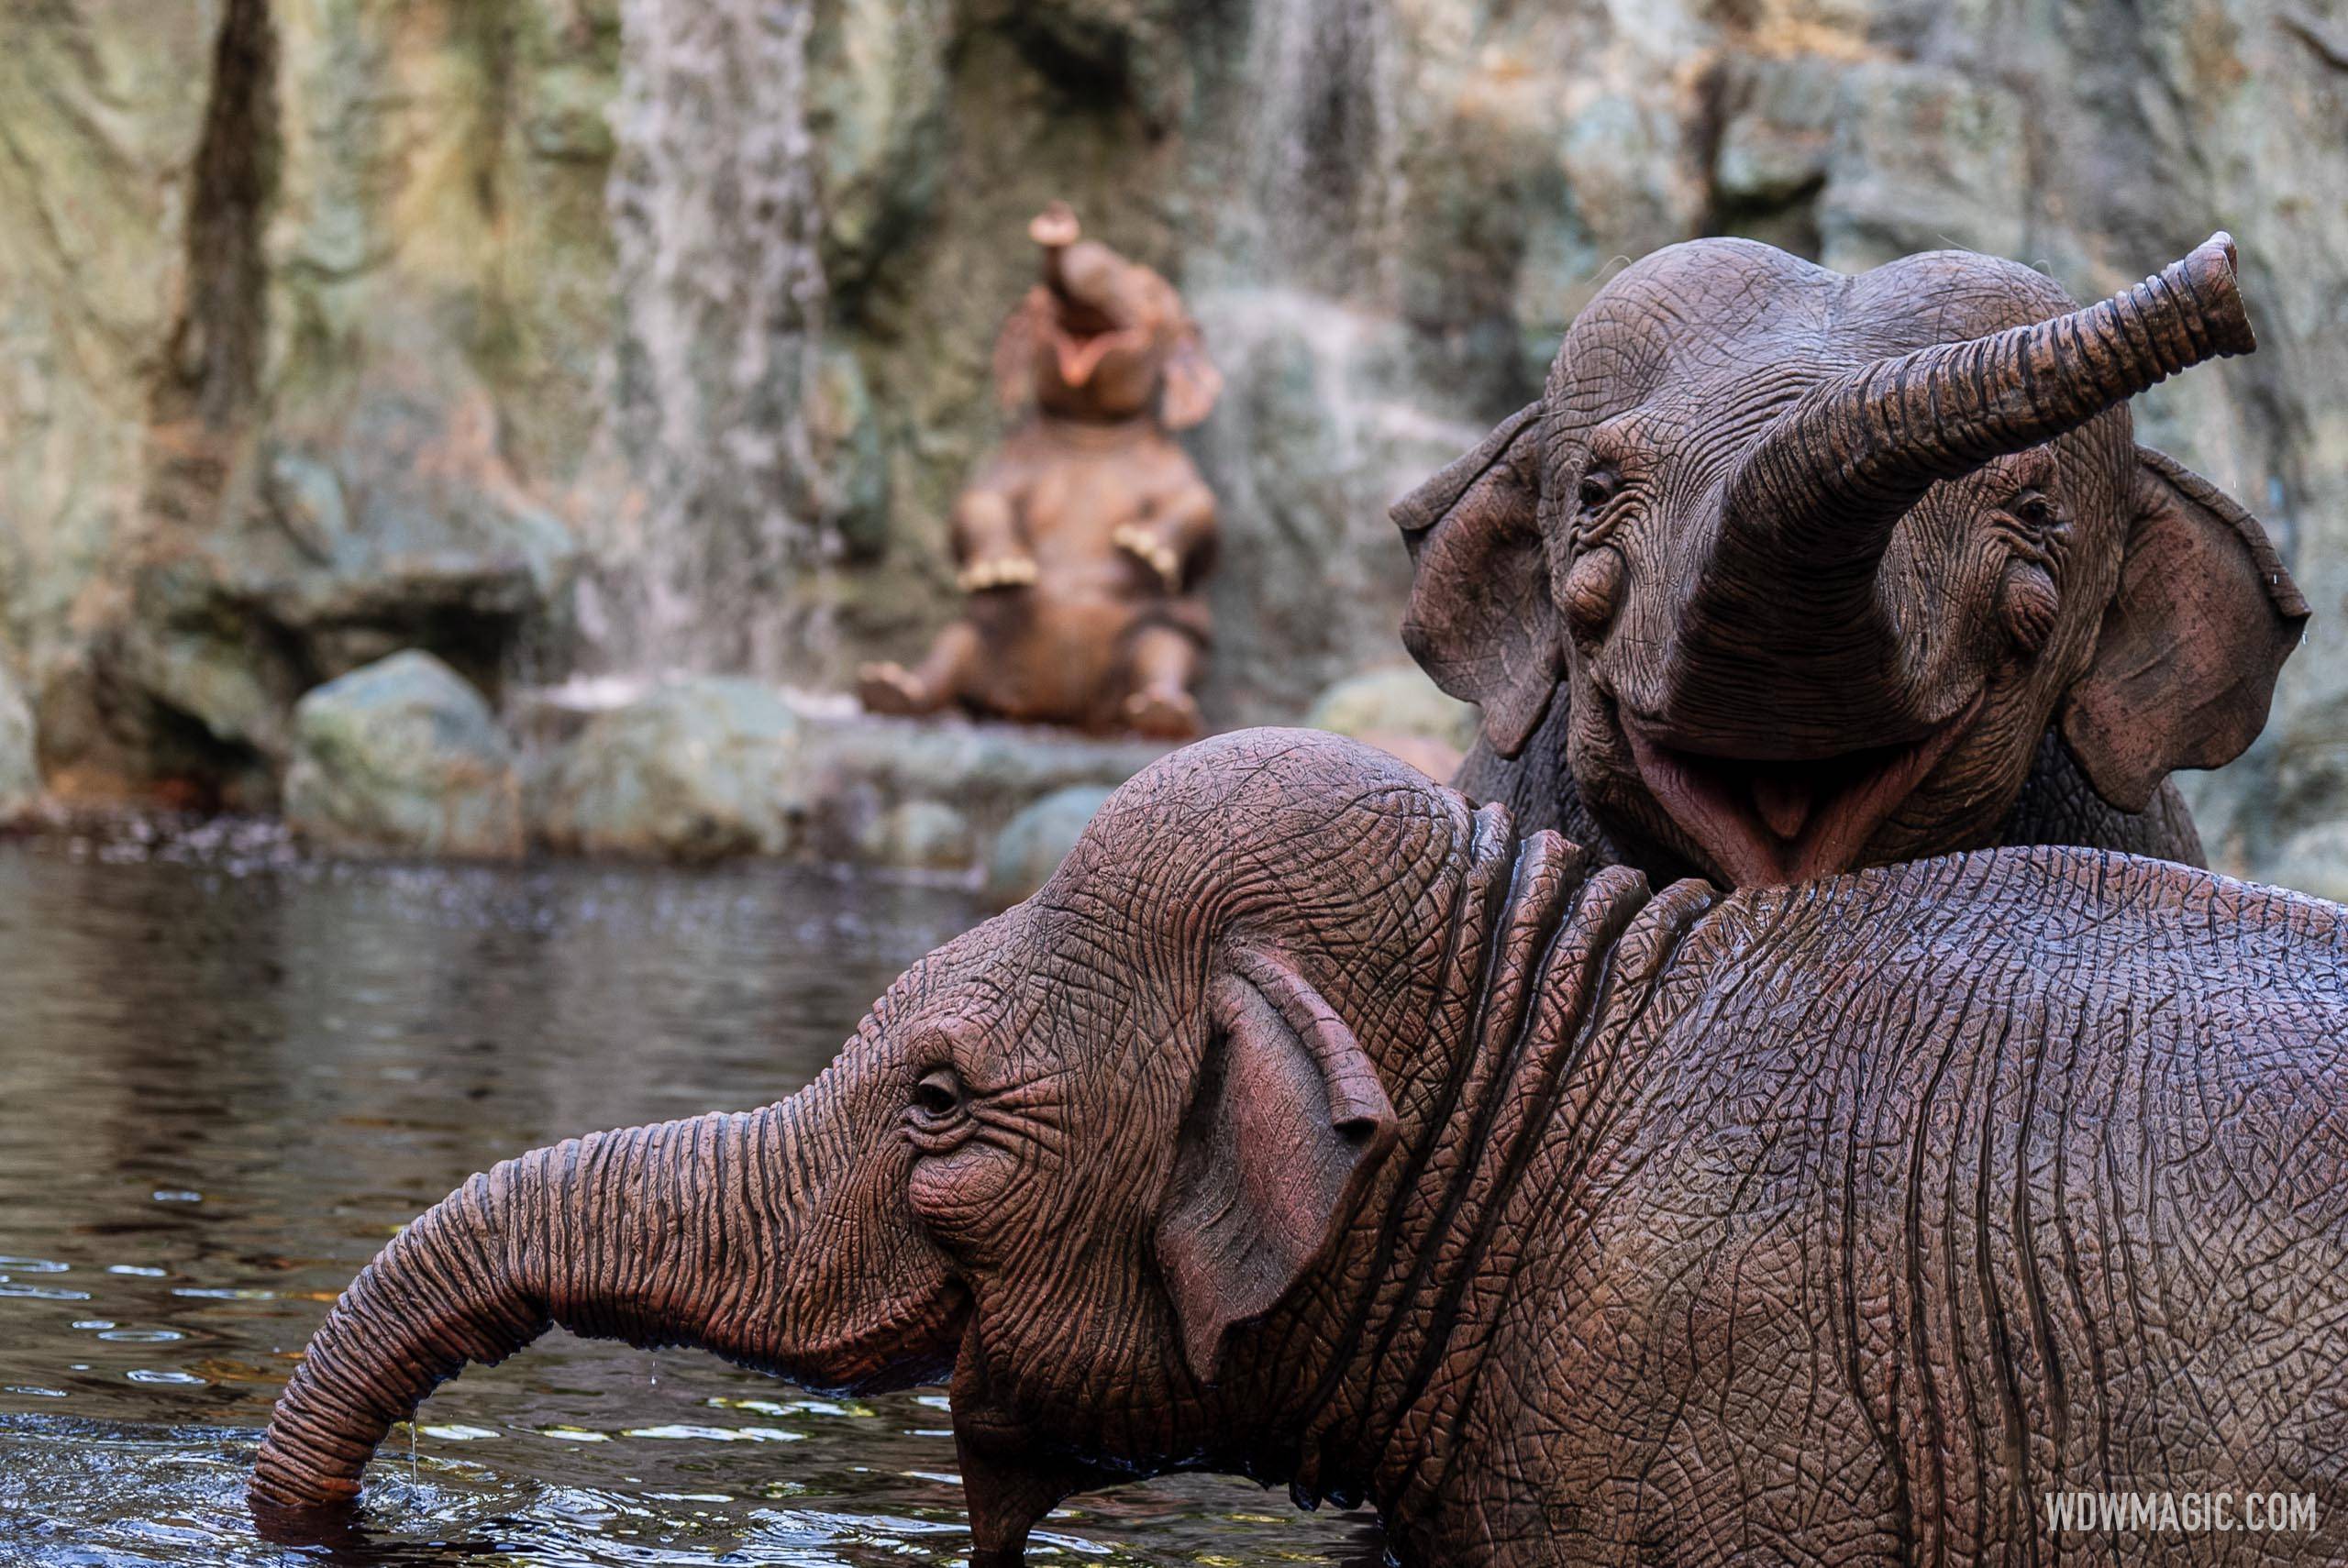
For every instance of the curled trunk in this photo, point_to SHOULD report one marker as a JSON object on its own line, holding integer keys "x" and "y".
{"x": 646, "y": 1234}
{"x": 1816, "y": 499}
{"x": 1789, "y": 590}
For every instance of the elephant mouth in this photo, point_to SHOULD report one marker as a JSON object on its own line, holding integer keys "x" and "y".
{"x": 1078, "y": 352}
{"x": 1767, "y": 823}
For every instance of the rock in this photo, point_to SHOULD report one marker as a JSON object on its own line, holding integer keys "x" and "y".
{"x": 702, "y": 767}
{"x": 1398, "y": 710}
{"x": 2316, "y": 859}
{"x": 19, "y": 756}
{"x": 403, "y": 757}
{"x": 878, "y": 84}
{"x": 1033, "y": 843}
{"x": 929, "y": 792}
{"x": 1924, "y": 159}
{"x": 1326, "y": 428}
{"x": 104, "y": 123}
{"x": 697, "y": 768}
{"x": 1397, "y": 699}
{"x": 1384, "y": 216}
{"x": 918, "y": 835}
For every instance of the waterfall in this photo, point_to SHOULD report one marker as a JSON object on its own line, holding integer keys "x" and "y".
{"x": 714, "y": 209}
{"x": 1317, "y": 142}
{"x": 1328, "y": 415}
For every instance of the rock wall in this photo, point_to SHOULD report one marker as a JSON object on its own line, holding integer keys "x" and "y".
{"x": 557, "y": 335}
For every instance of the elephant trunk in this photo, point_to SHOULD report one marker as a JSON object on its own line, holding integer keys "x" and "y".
{"x": 649, "y": 1235}
{"x": 1053, "y": 230}
{"x": 1790, "y": 593}
{"x": 1817, "y": 498}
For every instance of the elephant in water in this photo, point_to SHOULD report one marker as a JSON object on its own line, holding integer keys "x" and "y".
{"x": 1309, "y": 1124}
{"x": 1788, "y": 572}
{"x": 1084, "y": 543}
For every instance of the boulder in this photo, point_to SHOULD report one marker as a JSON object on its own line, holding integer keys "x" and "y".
{"x": 696, "y": 768}
{"x": 918, "y": 835}
{"x": 1398, "y": 710}
{"x": 403, "y": 757}
{"x": 1033, "y": 843}
{"x": 930, "y": 792}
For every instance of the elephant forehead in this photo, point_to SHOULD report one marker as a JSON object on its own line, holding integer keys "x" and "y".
{"x": 1724, "y": 318}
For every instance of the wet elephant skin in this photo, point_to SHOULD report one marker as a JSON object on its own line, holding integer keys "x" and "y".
{"x": 1311, "y": 1125}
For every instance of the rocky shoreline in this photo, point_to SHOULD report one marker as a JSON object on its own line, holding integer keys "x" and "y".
{"x": 406, "y": 759}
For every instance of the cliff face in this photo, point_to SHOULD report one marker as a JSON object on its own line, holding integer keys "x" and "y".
{"x": 581, "y": 335}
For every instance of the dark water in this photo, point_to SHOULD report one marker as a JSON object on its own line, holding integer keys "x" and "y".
{"x": 221, "y": 1092}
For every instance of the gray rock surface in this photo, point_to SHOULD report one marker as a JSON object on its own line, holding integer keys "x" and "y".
{"x": 1395, "y": 699}
{"x": 329, "y": 383}
{"x": 703, "y": 767}
{"x": 1033, "y": 843}
{"x": 693, "y": 769}
{"x": 924, "y": 793}
{"x": 1397, "y": 709}
{"x": 403, "y": 757}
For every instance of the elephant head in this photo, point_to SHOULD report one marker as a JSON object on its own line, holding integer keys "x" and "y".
{"x": 1102, "y": 338}
{"x": 1818, "y": 560}
{"x": 1099, "y": 1158}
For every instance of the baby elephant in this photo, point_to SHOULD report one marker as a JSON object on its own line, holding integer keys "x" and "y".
{"x": 1308, "y": 1125}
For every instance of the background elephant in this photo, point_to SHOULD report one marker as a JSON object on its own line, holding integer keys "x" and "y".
{"x": 1309, "y": 1125}
{"x": 1790, "y": 572}
{"x": 1083, "y": 542}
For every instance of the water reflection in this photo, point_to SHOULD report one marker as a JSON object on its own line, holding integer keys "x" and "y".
{"x": 221, "y": 1091}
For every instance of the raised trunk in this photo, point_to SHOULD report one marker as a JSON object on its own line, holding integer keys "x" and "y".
{"x": 657, "y": 1235}
{"x": 1812, "y": 506}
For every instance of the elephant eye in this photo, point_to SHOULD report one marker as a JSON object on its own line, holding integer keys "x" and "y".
{"x": 1597, "y": 488}
{"x": 939, "y": 1095}
{"x": 2034, "y": 508}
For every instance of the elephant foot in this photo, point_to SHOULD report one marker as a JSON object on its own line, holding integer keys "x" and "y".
{"x": 996, "y": 571}
{"x": 1152, "y": 552}
{"x": 1164, "y": 715}
{"x": 893, "y": 688}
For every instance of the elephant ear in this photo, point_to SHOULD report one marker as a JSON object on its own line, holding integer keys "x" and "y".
{"x": 1481, "y": 621}
{"x": 1286, "y": 1125}
{"x": 1025, "y": 332}
{"x": 2184, "y": 666}
{"x": 1188, "y": 381}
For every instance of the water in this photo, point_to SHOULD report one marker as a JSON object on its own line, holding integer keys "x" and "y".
{"x": 222, "y": 1087}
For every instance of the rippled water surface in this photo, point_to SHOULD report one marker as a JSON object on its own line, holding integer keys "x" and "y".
{"x": 221, "y": 1090}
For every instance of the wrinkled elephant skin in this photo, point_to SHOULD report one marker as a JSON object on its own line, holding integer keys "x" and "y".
{"x": 1788, "y": 572}
{"x": 1308, "y": 1124}
{"x": 1084, "y": 543}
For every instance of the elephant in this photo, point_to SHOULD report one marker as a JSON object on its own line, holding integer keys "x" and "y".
{"x": 1311, "y": 1124}
{"x": 1788, "y": 572}
{"x": 1083, "y": 544}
